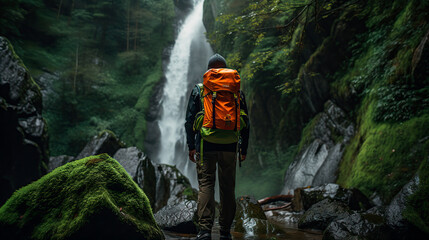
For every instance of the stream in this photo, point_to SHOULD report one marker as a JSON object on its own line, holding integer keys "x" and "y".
{"x": 291, "y": 232}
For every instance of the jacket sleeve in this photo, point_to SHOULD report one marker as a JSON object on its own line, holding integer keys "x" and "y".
{"x": 192, "y": 109}
{"x": 244, "y": 133}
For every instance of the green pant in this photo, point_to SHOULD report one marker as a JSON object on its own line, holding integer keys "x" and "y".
{"x": 206, "y": 181}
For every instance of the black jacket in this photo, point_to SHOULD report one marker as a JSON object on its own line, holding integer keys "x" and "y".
{"x": 193, "y": 139}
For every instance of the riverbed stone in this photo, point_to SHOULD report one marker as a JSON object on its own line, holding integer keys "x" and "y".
{"x": 250, "y": 219}
{"x": 172, "y": 187}
{"x": 368, "y": 225}
{"x": 321, "y": 214}
{"x": 179, "y": 218}
{"x": 304, "y": 198}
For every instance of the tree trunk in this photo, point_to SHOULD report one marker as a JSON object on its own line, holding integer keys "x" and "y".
{"x": 59, "y": 8}
{"x": 276, "y": 198}
{"x": 136, "y": 29}
{"x": 71, "y": 12}
{"x": 75, "y": 71}
{"x": 128, "y": 25}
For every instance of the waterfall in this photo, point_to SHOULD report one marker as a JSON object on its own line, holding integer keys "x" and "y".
{"x": 188, "y": 62}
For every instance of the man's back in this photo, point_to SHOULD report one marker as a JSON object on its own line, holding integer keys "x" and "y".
{"x": 223, "y": 132}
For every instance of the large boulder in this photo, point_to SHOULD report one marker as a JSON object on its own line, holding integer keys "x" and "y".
{"x": 105, "y": 142}
{"x": 176, "y": 200}
{"x": 140, "y": 168}
{"x": 317, "y": 162}
{"x": 172, "y": 187}
{"x": 91, "y": 198}
{"x": 180, "y": 218}
{"x": 304, "y": 198}
{"x": 321, "y": 214}
{"x": 379, "y": 222}
{"x": 251, "y": 220}
{"x": 23, "y": 131}
{"x": 368, "y": 225}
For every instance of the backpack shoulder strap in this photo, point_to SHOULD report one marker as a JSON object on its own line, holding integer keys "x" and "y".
{"x": 201, "y": 88}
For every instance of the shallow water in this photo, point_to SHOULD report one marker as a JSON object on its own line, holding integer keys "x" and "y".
{"x": 291, "y": 231}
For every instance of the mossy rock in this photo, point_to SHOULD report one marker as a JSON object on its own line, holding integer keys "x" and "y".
{"x": 91, "y": 198}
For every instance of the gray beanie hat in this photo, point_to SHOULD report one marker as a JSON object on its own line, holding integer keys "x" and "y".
{"x": 217, "y": 61}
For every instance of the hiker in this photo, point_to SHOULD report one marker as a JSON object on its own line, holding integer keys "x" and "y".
{"x": 217, "y": 131}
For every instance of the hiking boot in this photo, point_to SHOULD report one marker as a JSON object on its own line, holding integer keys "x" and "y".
{"x": 204, "y": 235}
{"x": 225, "y": 235}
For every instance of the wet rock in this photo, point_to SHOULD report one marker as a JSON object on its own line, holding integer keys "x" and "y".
{"x": 130, "y": 159}
{"x": 58, "y": 161}
{"x": 90, "y": 198}
{"x": 368, "y": 225}
{"x": 317, "y": 163}
{"x": 397, "y": 206}
{"x": 379, "y": 222}
{"x": 140, "y": 168}
{"x": 250, "y": 218}
{"x": 376, "y": 200}
{"x": 104, "y": 142}
{"x": 175, "y": 204}
{"x": 179, "y": 218}
{"x": 23, "y": 131}
{"x": 321, "y": 214}
{"x": 248, "y": 207}
{"x": 353, "y": 198}
{"x": 283, "y": 217}
{"x": 171, "y": 186}
{"x": 395, "y": 213}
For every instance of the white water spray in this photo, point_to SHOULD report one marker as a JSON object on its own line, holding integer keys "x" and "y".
{"x": 188, "y": 62}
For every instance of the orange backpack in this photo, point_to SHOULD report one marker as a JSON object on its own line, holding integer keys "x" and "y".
{"x": 221, "y": 99}
{"x": 219, "y": 121}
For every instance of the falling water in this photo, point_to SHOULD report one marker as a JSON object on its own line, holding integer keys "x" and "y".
{"x": 188, "y": 62}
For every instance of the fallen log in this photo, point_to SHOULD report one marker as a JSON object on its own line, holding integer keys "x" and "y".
{"x": 286, "y": 198}
{"x": 278, "y": 208}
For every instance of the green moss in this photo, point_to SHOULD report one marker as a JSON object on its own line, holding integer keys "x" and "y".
{"x": 391, "y": 118}
{"x": 307, "y": 135}
{"x": 382, "y": 157}
{"x": 68, "y": 203}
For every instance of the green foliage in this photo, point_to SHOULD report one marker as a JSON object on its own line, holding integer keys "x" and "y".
{"x": 382, "y": 157}
{"x": 105, "y": 53}
{"x": 400, "y": 103}
{"x": 62, "y": 203}
{"x": 391, "y": 111}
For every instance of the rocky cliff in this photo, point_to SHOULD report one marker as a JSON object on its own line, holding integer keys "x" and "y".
{"x": 23, "y": 138}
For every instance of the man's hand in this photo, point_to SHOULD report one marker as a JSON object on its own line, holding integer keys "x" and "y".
{"x": 192, "y": 155}
{"x": 243, "y": 157}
